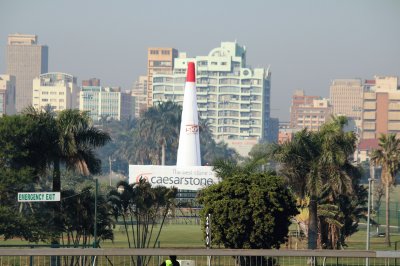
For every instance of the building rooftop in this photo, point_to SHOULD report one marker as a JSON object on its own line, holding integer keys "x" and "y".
{"x": 22, "y": 39}
{"x": 54, "y": 78}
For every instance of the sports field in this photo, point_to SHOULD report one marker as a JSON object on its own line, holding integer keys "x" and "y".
{"x": 190, "y": 236}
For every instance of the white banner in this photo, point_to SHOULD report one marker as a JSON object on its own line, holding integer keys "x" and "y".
{"x": 189, "y": 177}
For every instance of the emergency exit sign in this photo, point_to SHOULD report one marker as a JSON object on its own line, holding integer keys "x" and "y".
{"x": 38, "y": 196}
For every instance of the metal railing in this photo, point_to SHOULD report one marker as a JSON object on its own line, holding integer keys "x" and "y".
{"x": 194, "y": 257}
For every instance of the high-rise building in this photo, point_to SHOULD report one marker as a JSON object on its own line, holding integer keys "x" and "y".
{"x": 26, "y": 60}
{"x": 91, "y": 82}
{"x": 346, "y": 97}
{"x": 58, "y": 91}
{"x": 105, "y": 103}
{"x": 381, "y": 107}
{"x": 234, "y": 98}
{"x": 160, "y": 60}
{"x": 7, "y": 95}
{"x": 299, "y": 99}
{"x": 139, "y": 92}
{"x": 308, "y": 111}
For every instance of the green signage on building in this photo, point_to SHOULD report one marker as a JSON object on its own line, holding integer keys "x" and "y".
{"x": 38, "y": 196}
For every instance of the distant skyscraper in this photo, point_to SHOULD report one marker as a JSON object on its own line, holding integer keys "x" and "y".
{"x": 58, "y": 91}
{"x": 91, "y": 82}
{"x": 160, "y": 60}
{"x": 308, "y": 111}
{"x": 139, "y": 92}
{"x": 233, "y": 97}
{"x": 7, "y": 95}
{"x": 346, "y": 97}
{"x": 381, "y": 107}
{"x": 26, "y": 60}
{"x": 299, "y": 98}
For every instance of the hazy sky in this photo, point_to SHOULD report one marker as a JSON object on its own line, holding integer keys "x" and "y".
{"x": 307, "y": 43}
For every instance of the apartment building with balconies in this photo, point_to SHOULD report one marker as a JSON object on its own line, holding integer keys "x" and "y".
{"x": 381, "y": 107}
{"x": 233, "y": 97}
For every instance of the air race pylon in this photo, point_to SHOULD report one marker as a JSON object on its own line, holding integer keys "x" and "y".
{"x": 189, "y": 142}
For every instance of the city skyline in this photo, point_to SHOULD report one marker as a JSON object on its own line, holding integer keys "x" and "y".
{"x": 307, "y": 44}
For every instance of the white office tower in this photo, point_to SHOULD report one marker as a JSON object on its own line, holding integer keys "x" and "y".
{"x": 189, "y": 142}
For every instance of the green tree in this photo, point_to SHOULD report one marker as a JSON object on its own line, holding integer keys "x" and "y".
{"x": 143, "y": 210}
{"x": 212, "y": 150}
{"x": 21, "y": 220}
{"x": 22, "y": 168}
{"x": 298, "y": 160}
{"x": 77, "y": 139}
{"x": 24, "y": 142}
{"x": 262, "y": 154}
{"x": 78, "y": 211}
{"x": 161, "y": 123}
{"x": 248, "y": 210}
{"x": 73, "y": 139}
{"x": 30, "y": 144}
{"x": 314, "y": 161}
{"x": 155, "y": 136}
{"x": 119, "y": 150}
{"x": 387, "y": 156}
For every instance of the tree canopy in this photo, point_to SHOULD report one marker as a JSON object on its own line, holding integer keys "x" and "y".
{"x": 153, "y": 139}
{"x": 249, "y": 210}
{"x": 317, "y": 165}
{"x": 143, "y": 210}
{"x": 387, "y": 156}
{"x": 32, "y": 146}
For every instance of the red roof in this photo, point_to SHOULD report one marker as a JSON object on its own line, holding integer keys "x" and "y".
{"x": 368, "y": 144}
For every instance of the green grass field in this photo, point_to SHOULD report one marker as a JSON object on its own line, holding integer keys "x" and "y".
{"x": 172, "y": 235}
{"x": 190, "y": 235}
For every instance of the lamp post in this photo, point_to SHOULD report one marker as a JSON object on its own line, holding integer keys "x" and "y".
{"x": 370, "y": 180}
{"x": 95, "y": 214}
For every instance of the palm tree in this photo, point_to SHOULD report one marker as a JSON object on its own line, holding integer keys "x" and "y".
{"x": 299, "y": 159}
{"x": 73, "y": 140}
{"x": 161, "y": 124}
{"x": 77, "y": 139}
{"x": 313, "y": 161}
{"x": 43, "y": 140}
{"x": 143, "y": 210}
{"x": 387, "y": 156}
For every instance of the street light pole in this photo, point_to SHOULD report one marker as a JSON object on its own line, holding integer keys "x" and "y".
{"x": 95, "y": 214}
{"x": 370, "y": 180}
